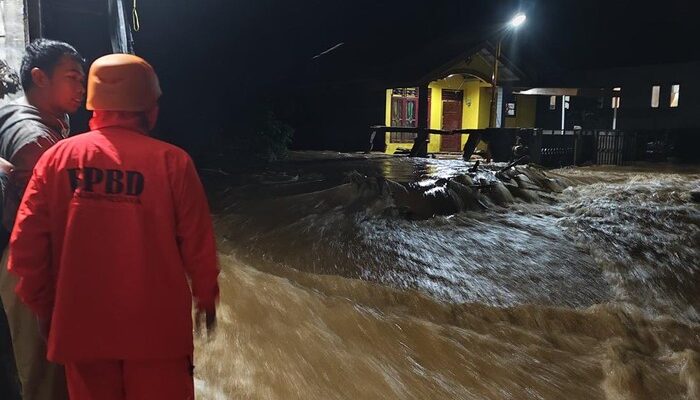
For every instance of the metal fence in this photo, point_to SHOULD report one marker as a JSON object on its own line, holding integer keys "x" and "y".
{"x": 552, "y": 148}
{"x": 616, "y": 147}
{"x": 556, "y": 148}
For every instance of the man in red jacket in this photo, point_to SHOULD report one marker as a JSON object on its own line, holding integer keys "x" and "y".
{"x": 112, "y": 225}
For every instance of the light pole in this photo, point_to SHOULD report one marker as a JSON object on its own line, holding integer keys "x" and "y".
{"x": 514, "y": 24}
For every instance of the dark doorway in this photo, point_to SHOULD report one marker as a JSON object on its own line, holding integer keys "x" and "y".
{"x": 451, "y": 119}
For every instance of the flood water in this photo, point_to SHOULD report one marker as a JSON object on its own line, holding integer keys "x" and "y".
{"x": 587, "y": 286}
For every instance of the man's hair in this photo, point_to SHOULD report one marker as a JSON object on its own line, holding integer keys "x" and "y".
{"x": 45, "y": 54}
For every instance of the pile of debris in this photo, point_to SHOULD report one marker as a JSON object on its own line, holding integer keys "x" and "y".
{"x": 476, "y": 190}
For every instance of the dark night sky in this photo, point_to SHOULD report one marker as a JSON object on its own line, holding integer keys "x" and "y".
{"x": 216, "y": 56}
{"x": 254, "y": 46}
{"x": 270, "y": 35}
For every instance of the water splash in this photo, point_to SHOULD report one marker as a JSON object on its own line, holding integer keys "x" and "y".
{"x": 586, "y": 290}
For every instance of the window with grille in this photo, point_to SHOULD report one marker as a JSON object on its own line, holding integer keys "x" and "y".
{"x": 404, "y": 113}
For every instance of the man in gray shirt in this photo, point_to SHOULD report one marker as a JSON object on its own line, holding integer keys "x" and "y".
{"x": 53, "y": 80}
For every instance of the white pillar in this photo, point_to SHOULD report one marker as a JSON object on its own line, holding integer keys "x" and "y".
{"x": 499, "y": 107}
{"x": 563, "y": 113}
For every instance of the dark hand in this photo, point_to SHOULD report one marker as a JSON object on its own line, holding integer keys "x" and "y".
{"x": 209, "y": 317}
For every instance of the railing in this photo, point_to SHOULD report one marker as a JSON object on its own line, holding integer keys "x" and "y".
{"x": 551, "y": 148}
{"x": 400, "y": 134}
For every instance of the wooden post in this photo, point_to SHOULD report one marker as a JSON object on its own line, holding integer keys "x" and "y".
{"x": 420, "y": 145}
{"x": 494, "y": 86}
{"x": 371, "y": 141}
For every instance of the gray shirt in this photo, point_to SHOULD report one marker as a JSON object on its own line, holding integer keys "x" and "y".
{"x": 25, "y": 134}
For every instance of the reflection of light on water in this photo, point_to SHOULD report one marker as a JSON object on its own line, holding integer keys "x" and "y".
{"x": 206, "y": 391}
{"x": 426, "y": 182}
{"x": 434, "y": 191}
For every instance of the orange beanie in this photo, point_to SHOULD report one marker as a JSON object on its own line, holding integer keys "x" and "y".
{"x": 122, "y": 82}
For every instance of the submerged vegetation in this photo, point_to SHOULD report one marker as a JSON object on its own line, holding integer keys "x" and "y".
{"x": 256, "y": 139}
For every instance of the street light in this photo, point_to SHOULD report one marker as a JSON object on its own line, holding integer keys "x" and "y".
{"x": 514, "y": 24}
{"x": 518, "y": 20}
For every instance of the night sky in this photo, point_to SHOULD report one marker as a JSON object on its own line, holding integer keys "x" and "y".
{"x": 271, "y": 36}
{"x": 218, "y": 57}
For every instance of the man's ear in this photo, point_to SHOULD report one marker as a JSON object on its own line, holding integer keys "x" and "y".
{"x": 39, "y": 78}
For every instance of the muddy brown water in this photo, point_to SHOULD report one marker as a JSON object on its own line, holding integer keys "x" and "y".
{"x": 589, "y": 292}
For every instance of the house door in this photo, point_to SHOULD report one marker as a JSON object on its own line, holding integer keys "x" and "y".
{"x": 451, "y": 119}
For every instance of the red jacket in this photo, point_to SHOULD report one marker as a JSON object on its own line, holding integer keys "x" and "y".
{"x": 111, "y": 226}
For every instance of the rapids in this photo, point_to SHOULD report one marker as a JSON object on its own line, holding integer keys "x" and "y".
{"x": 375, "y": 278}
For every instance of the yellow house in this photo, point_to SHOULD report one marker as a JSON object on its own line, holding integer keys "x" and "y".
{"x": 459, "y": 99}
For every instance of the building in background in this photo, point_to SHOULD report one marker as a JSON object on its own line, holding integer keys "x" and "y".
{"x": 459, "y": 98}
{"x": 639, "y": 98}
{"x": 658, "y": 106}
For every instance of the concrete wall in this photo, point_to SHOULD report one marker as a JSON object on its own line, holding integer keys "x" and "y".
{"x": 13, "y": 34}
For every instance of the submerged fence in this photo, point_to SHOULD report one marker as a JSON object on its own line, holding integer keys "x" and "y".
{"x": 557, "y": 148}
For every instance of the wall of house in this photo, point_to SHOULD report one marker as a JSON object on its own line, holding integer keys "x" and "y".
{"x": 475, "y": 112}
{"x": 387, "y": 118}
{"x": 585, "y": 112}
{"x": 471, "y": 101}
{"x": 484, "y": 107}
{"x": 470, "y": 115}
{"x": 635, "y": 110}
{"x": 435, "y": 117}
{"x": 525, "y": 112}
